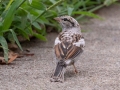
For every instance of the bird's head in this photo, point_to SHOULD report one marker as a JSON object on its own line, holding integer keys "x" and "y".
{"x": 67, "y": 22}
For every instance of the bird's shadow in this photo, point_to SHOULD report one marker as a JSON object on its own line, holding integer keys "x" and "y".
{"x": 69, "y": 74}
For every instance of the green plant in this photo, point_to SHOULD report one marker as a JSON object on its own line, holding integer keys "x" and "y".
{"x": 7, "y": 17}
{"x": 32, "y": 17}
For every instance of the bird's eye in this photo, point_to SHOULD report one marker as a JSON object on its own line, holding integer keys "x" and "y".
{"x": 65, "y": 19}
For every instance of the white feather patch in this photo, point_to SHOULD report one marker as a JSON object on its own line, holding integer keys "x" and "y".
{"x": 57, "y": 41}
{"x": 80, "y": 42}
{"x": 68, "y": 62}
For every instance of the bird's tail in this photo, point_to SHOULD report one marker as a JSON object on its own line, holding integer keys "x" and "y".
{"x": 58, "y": 75}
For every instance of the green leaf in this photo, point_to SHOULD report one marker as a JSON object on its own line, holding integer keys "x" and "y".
{"x": 5, "y": 31}
{"x": 52, "y": 1}
{"x": 36, "y": 25}
{"x": 0, "y": 27}
{"x": 23, "y": 22}
{"x": 37, "y": 5}
{"x": 0, "y": 19}
{"x": 30, "y": 30}
{"x": 39, "y": 36}
{"x": 10, "y": 14}
{"x": 77, "y": 5}
{"x": 91, "y": 10}
{"x": 70, "y": 10}
{"x": 10, "y": 2}
{"x": 109, "y": 2}
{"x": 30, "y": 1}
{"x": 33, "y": 12}
{"x": 43, "y": 20}
{"x": 15, "y": 38}
{"x": 21, "y": 12}
{"x": 90, "y": 14}
{"x": 10, "y": 37}
{"x": 3, "y": 42}
{"x": 23, "y": 32}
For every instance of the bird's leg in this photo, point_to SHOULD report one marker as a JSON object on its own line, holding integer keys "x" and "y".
{"x": 75, "y": 69}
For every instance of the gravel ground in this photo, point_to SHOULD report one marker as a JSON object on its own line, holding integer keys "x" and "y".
{"x": 99, "y": 65}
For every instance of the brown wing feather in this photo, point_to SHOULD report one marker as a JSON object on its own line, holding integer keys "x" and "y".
{"x": 66, "y": 51}
{"x": 57, "y": 51}
{"x": 75, "y": 51}
{"x": 70, "y": 53}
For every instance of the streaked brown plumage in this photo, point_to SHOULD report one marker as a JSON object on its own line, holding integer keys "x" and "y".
{"x": 68, "y": 45}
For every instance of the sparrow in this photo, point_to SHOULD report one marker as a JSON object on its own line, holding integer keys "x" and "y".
{"x": 68, "y": 45}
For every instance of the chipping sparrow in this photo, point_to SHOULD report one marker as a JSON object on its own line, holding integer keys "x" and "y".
{"x": 68, "y": 45}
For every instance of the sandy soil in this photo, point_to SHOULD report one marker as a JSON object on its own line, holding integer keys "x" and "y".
{"x": 98, "y": 66}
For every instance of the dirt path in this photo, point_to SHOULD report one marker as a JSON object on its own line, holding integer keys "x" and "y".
{"x": 99, "y": 65}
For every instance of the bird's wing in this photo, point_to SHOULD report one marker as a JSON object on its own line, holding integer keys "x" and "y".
{"x": 66, "y": 50}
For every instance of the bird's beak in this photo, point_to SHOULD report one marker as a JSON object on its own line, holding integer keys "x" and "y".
{"x": 57, "y": 19}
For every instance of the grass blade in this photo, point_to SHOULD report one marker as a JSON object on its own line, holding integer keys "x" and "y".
{"x": 39, "y": 36}
{"x": 92, "y": 10}
{"x": 70, "y": 10}
{"x": 15, "y": 38}
{"x": 37, "y": 5}
{"x": 3, "y": 42}
{"x": 10, "y": 14}
{"x": 87, "y": 14}
{"x": 109, "y": 2}
{"x": 9, "y": 4}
